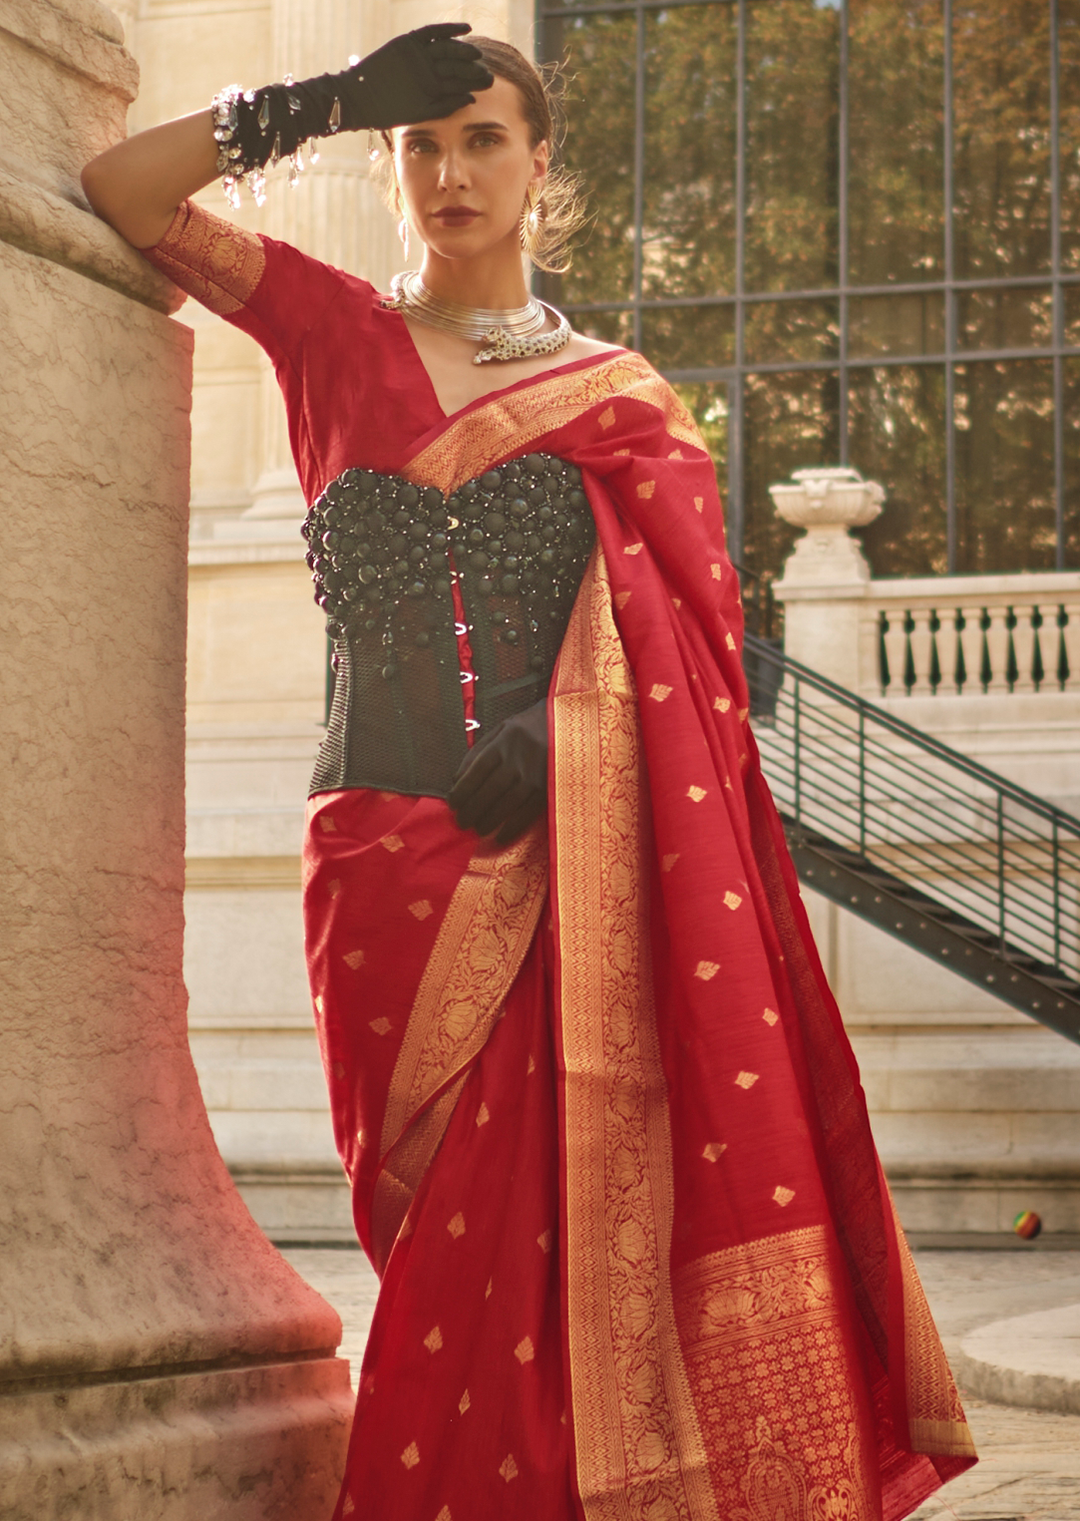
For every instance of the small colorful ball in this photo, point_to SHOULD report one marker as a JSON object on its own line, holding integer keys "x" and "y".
{"x": 1027, "y": 1224}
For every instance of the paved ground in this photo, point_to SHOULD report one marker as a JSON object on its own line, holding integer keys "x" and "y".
{"x": 1029, "y": 1467}
{"x": 1030, "y": 1459}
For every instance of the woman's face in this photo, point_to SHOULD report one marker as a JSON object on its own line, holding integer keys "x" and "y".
{"x": 463, "y": 179}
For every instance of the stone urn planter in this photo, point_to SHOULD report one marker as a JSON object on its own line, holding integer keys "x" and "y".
{"x": 826, "y": 576}
{"x": 827, "y": 502}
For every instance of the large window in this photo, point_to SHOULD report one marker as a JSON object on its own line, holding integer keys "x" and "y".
{"x": 849, "y": 232}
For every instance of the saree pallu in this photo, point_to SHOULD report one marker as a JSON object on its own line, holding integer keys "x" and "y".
{"x": 605, "y": 1133}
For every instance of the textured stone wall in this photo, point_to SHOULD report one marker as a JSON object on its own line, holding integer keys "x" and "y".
{"x": 157, "y": 1357}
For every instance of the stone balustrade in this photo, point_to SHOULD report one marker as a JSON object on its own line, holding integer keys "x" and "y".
{"x": 976, "y": 1110}
{"x": 961, "y": 635}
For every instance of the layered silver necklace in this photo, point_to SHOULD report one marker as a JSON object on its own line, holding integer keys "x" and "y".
{"x": 508, "y": 334}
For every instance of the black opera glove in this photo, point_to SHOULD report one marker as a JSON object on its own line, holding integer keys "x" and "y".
{"x": 421, "y": 75}
{"x": 501, "y": 785}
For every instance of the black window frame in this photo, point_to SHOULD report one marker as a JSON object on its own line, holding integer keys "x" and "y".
{"x": 843, "y": 363}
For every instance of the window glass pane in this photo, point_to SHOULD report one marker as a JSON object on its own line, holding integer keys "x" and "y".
{"x": 708, "y": 404}
{"x": 896, "y": 325}
{"x": 896, "y": 430}
{"x": 1071, "y": 297}
{"x": 777, "y": 330}
{"x": 1005, "y": 466}
{"x": 1069, "y": 114}
{"x": 1072, "y": 463}
{"x": 1001, "y": 115}
{"x": 1004, "y": 319}
{"x": 789, "y": 421}
{"x": 600, "y": 146}
{"x": 690, "y": 91}
{"x": 792, "y": 104}
{"x": 896, "y": 93}
{"x": 609, "y": 327}
{"x": 686, "y": 338}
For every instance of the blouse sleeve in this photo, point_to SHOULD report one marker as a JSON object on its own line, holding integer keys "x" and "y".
{"x": 269, "y": 289}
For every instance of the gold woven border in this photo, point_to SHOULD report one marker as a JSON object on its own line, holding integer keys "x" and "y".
{"x": 640, "y": 1452}
{"x": 935, "y": 1415}
{"x": 784, "y": 1411}
{"x": 512, "y": 423}
{"x": 404, "y": 1169}
{"x": 213, "y": 260}
{"x": 481, "y": 944}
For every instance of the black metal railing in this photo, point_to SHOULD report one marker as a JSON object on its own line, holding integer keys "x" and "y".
{"x": 936, "y": 848}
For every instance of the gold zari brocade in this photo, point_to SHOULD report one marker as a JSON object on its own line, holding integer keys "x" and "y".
{"x": 482, "y": 942}
{"x": 640, "y": 1452}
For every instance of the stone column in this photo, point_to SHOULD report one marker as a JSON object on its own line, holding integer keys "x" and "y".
{"x": 827, "y": 577}
{"x": 157, "y": 1357}
{"x": 333, "y": 211}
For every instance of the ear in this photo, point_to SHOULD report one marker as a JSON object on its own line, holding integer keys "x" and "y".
{"x": 541, "y": 164}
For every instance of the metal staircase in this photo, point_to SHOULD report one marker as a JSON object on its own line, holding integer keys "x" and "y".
{"x": 939, "y": 851}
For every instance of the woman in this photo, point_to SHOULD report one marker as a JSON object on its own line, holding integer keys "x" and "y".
{"x": 605, "y": 1135}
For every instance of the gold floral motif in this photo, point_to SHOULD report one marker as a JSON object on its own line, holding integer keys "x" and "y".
{"x": 762, "y": 1324}
{"x": 935, "y": 1414}
{"x": 213, "y": 260}
{"x": 511, "y": 423}
{"x": 640, "y": 1453}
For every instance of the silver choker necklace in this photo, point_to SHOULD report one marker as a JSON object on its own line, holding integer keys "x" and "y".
{"x": 512, "y": 334}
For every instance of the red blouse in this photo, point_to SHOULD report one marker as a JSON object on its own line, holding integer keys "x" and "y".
{"x": 355, "y": 389}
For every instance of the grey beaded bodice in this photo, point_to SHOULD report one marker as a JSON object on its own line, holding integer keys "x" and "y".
{"x": 384, "y": 555}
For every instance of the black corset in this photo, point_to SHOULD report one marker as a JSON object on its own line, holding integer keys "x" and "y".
{"x": 383, "y": 555}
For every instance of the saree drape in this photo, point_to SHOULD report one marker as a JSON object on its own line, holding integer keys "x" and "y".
{"x": 605, "y": 1132}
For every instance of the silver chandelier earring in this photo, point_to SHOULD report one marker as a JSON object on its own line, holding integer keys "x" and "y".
{"x": 403, "y": 234}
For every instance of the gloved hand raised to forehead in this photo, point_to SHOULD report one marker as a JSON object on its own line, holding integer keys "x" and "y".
{"x": 421, "y": 75}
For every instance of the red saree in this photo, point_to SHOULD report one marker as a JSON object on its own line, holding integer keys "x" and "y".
{"x": 606, "y": 1140}
{"x": 605, "y": 1132}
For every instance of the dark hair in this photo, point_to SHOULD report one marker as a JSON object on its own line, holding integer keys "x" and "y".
{"x": 561, "y": 209}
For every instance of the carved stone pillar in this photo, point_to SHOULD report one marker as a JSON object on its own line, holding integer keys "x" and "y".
{"x": 158, "y": 1358}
